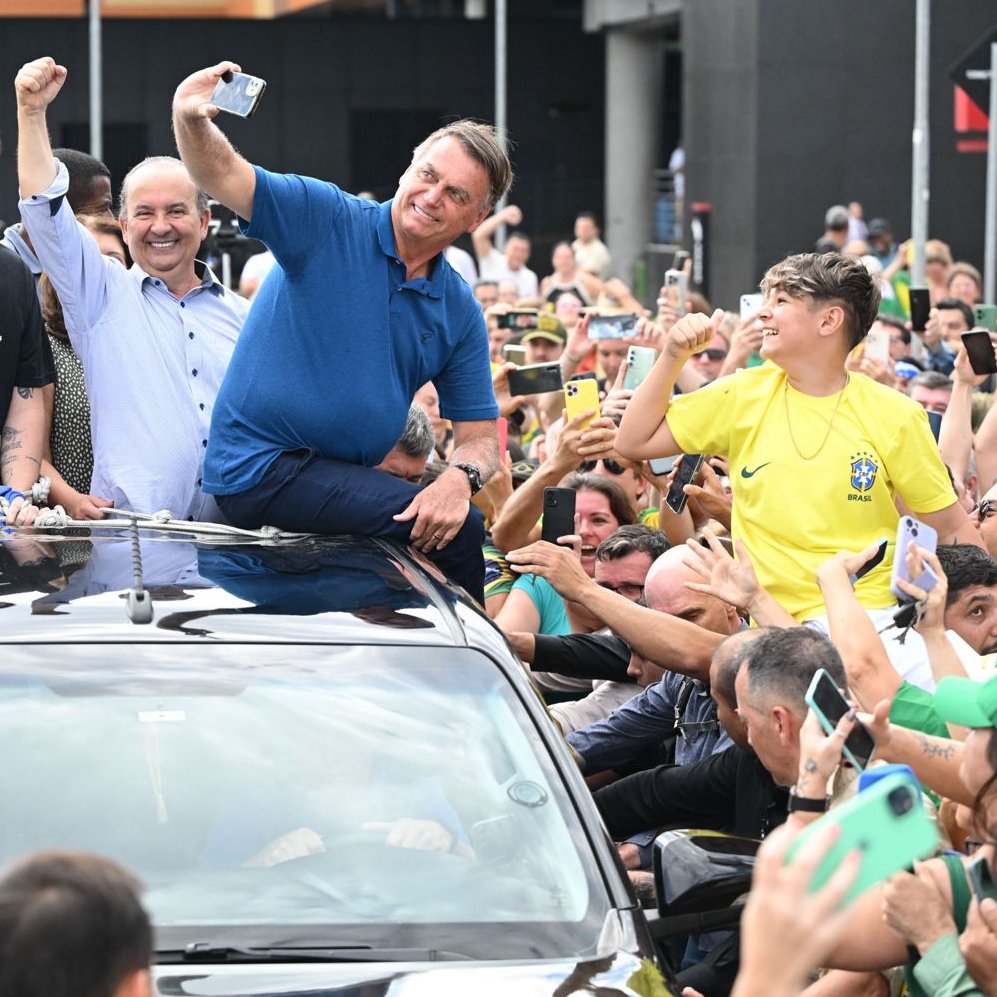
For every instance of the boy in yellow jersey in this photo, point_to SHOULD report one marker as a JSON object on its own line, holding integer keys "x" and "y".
{"x": 817, "y": 454}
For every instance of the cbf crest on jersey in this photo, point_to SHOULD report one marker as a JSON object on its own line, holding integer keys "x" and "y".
{"x": 864, "y": 471}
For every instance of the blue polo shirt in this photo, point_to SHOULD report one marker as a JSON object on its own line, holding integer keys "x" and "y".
{"x": 337, "y": 342}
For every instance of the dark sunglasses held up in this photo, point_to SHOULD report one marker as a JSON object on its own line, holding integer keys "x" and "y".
{"x": 614, "y": 467}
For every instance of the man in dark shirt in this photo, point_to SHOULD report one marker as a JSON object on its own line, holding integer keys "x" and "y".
{"x": 739, "y": 790}
{"x": 26, "y": 366}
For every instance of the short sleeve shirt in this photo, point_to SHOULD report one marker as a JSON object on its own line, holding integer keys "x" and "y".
{"x": 25, "y": 354}
{"x": 338, "y": 341}
{"x": 812, "y": 477}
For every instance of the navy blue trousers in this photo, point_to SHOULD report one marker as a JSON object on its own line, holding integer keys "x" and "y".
{"x": 304, "y": 493}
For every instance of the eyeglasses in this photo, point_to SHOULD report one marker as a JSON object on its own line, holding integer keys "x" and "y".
{"x": 626, "y": 589}
{"x": 936, "y": 259}
{"x": 985, "y": 510}
{"x": 712, "y": 355}
{"x": 614, "y": 467}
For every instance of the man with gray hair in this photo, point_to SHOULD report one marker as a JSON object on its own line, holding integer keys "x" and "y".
{"x": 408, "y": 457}
{"x": 154, "y": 340}
{"x": 308, "y": 408}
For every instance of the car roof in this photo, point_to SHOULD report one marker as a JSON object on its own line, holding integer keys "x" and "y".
{"x": 74, "y": 585}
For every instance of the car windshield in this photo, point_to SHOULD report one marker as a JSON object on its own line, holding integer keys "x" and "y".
{"x": 300, "y": 795}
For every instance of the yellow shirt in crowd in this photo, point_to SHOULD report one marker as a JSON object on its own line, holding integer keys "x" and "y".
{"x": 793, "y": 514}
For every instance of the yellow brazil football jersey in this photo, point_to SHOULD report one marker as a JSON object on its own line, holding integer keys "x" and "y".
{"x": 792, "y": 513}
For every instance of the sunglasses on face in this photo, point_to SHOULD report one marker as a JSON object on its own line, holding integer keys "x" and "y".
{"x": 986, "y": 509}
{"x": 712, "y": 355}
{"x": 614, "y": 467}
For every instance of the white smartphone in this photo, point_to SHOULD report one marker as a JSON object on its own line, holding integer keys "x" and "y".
{"x": 751, "y": 304}
{"x": 877, "y": 345}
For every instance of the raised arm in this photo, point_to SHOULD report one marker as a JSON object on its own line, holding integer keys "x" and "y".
{"x": 210, "y": 158}
{"x": 644, "y": 431}
{"x": 481, "y": 237}
{"x": 36, "y": 85}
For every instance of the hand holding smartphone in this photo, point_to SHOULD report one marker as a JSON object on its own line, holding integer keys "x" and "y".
{"x": 980, "y": 351}
{"x": 676, "y": 498}
{"x": 886, "y": 824}
{"x": 582, "y": 396}
{"x": 558, "y": 514}
{"x": 829, "y": 706}
{"x": 238, "y": 93}
{"x": 910, "y": 529}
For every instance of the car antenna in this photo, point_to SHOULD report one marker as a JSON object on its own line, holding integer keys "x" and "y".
{"x": 139, "y": 604}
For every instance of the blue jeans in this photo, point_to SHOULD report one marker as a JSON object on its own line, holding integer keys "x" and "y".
{"x": 304, "y": 493}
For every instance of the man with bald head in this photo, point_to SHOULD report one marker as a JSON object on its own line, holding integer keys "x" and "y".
{"x": 154, "y": 340}
{"x": 691, "y": 624}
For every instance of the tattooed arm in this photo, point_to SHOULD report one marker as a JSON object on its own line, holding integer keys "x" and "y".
{"x": 935, "y": 760}
{"x": 22, "y": 443}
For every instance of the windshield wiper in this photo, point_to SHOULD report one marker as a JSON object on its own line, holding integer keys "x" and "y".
{"x": 209, "y": 952}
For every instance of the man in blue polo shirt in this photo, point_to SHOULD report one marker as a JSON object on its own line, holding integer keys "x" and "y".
{"x": 361, "y": 310}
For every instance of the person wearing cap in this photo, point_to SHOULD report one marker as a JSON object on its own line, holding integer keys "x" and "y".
{"x": 880, "y": 240}
{"x": 546, "y": 343}
{"x": 835, "y": 230}
{"x": 918, "y": 918}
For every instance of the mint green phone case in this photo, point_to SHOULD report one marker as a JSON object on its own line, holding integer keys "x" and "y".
{"x": 886, "y": 822}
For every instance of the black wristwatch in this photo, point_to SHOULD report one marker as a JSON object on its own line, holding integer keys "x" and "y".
{"x": 473, "y": 476}
{"x": 806, "y": 804}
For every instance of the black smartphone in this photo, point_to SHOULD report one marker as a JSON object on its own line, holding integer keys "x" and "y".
{"x": 680, "y": 257}
{"x": 518, "y": 320}
{"x": 662, "y": 465}
{"x": 536, "y": 379}
{"x": 238, "y": 93}
{"x": 825, "y": 699}
{"x": 981, "y": 878}
{"x": 559, "y": 514}
{"x": 980, "y": 350}
{"x": 688, "y": 469}
{"x": 920, "y": 308}
{"x": 874, "y": 562}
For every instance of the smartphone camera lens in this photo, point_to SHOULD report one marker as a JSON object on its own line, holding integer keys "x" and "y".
{"x": 901, "y": 801}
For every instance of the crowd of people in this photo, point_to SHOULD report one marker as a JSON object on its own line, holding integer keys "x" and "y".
{"x": 366, "y": 389}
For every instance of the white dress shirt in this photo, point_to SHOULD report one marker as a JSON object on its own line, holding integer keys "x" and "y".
{"x": 153, "y": 363}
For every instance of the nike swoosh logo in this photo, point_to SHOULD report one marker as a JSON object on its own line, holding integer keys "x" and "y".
{"x": 745, "y": 473}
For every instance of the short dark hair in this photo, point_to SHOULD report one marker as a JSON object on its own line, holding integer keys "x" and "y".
{"x": 590, "y": 215}
{"x": 894, "y": 322}
{"x": 783, "y": 663}
{"x": 728, "y": 657}
{"x": 933, "y": 379}
{"x": 481, "y": 142}
{"x": 954, "y": 304}
{"x": 965, "y": 565}
{"x": 829, "y": 277}
{"x": 619, "y": 503}
{"x": 518, "y": 234}
{"x": 83, "y": 169}
{"x": 71, "y": 925}
{"x": 632, "y": 539}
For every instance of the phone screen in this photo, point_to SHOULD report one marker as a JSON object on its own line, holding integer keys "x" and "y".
{"x": 612, "y": 326}
{"x": 688, "y": 469}
{"x": 980, "y": 350}
{"x": 828, "y": 701}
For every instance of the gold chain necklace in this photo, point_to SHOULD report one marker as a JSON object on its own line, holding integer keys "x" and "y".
{"x": 830, "y": 425}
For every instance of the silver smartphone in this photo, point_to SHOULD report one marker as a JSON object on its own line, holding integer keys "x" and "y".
{"x": 238, "y": 93}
